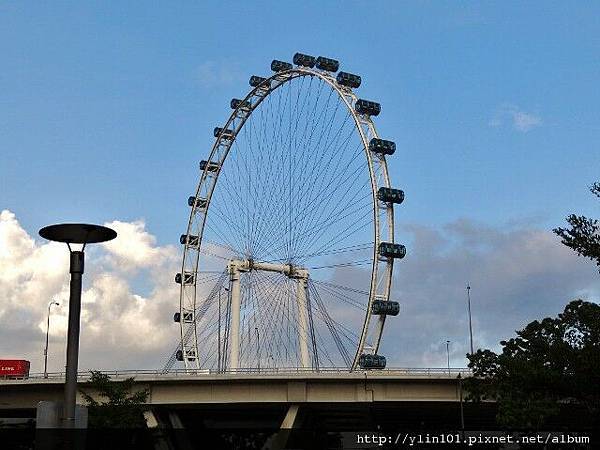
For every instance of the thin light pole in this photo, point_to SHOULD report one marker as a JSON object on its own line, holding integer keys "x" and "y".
{"x": 470, "y": 322}
{"x": 448, "y": 355}
{"x": 47, "y": 337}
{"x": 257, "y": 347}
{"x": 219, "y": 337}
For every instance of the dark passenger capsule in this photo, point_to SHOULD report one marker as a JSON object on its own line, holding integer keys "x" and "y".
{"x": 188, "y": 279}
{"x": 179, "y": 355}
{"x": 200, "y": 202}
{"x": 367, "y": 107}
{"x": 177, "y": 317}
{"x": 389, "y": 250}
{"x": 227, "y": 134}
{"x": 348, "y": 79}
{"x": 390, "y": 195}
{"x": 388, "y": 308}
{"x": 209, "y": 166}
{"x": 189, "y": 239}
{"x": 256, "y": 80}
{"x": 236, "y": 102}
{"x": 304, "y": 60}
{"x": 280, "y": 66}
{"x": 367, "y": 361}
{"x": 328, "y": 64}
{"x": 382, "y": 146}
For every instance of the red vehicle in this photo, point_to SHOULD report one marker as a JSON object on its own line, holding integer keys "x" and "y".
{"x": 14, "y": 368}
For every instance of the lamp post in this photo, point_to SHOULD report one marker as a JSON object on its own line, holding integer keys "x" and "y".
{"x": 448, "y": 355}
{"x": 257, "y": 347}
{"x": 74, "y": 233}
{"x": 47, "y": 336}
{"x": 469, "y": 309}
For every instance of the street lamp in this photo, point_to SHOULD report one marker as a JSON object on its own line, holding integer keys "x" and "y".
{"x": 448, "y": 355}
{"x": 469, "y": 309}
{"x": 47, "y": 334}
{"x": 257, "y": 347}
{"x": 75, "y": 233}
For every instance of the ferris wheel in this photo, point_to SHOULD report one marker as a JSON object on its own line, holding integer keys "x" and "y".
{"x": 289, "y": 249}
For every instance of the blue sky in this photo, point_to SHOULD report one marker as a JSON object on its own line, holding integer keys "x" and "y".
{"x": 107, "y": 107}
{"x": 118, "y": 101}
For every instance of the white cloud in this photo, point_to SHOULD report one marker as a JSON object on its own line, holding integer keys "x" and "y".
{"x": 520, "y": 120}
{"x": 119, "y": 327}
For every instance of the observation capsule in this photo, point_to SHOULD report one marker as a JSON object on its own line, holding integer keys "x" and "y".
{"x": 348, "y": 79}
{"x": 390, "y": 195}
{"x": 328, "y": 64}
{"x": 280, "y": 66}
{"x": 225, "y": 134}
{"x": 177, "y": 317}
{"x": 188, "y": 278}
{"x": 209, "y": 166}
{"x": 389, "y": 250}
{"x": 304, "y": 60}
{"x": 382, "y": 308}
{"x": 367, "y": 107}
{"x": 256, "y": 80}
{"x": 236, "y": 103}
{"x": 198, "y": 202}
{"x": 368, "y": 361}
{"x": 189, "y": 239}
{"x": 382, "y": 146}
{"x": 179, "y": 355}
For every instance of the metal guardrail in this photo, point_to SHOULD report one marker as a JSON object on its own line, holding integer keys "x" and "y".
{"x": 436, "y": 372}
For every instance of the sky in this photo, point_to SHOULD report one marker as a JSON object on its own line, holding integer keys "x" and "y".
{"x": 106, "y": 108}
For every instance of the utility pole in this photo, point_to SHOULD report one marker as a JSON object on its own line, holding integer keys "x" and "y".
{"x": 47, "y": 336}
{"x": 469, "y": 309}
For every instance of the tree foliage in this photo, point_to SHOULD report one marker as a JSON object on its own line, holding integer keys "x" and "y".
{"x": 119, "y": 406}
{"x": 549, "y": 363}
{"x": 584, "y": 234}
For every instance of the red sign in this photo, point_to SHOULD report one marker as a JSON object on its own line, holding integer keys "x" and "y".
{"x": 14, "y": 368}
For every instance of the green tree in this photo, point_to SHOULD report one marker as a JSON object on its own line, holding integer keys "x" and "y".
{"x": 584, "y": 234}
{"x": 119, "y": 406}
{"x": 549, "y": 363}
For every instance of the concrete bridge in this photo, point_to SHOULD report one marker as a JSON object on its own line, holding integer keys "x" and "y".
{"x": 273, "y": 398}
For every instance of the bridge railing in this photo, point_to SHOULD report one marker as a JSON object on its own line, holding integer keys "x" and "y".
{"x": 433, "y": 372}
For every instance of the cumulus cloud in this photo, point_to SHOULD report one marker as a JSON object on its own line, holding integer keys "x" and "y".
{"x": 517, "y": 275}
{"x": 521, "y": 120}
{"x": 120, "y": 328}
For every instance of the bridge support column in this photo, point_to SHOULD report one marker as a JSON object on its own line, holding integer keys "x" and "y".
{"x": 234, "y": 330}
{"x": 302, "y": 321}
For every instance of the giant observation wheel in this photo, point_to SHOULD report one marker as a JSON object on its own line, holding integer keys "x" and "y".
{"x": 289, "y": 248}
